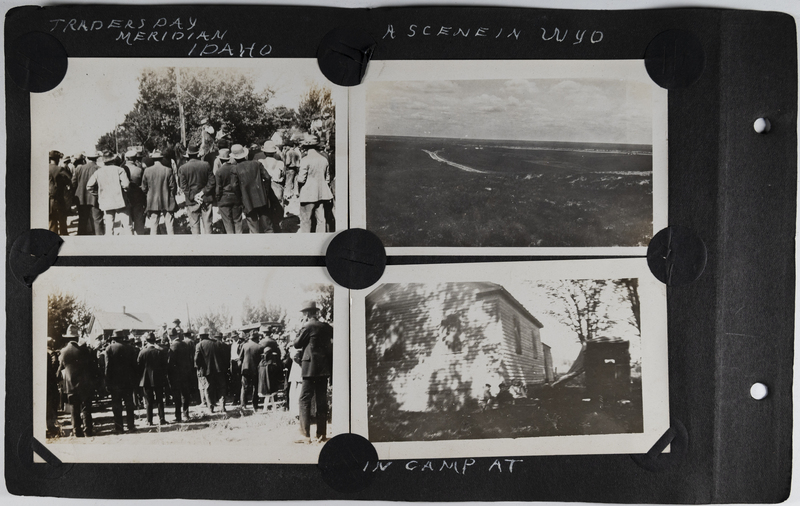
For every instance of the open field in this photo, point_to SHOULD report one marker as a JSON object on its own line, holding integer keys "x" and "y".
{"x": 452, "y": 192}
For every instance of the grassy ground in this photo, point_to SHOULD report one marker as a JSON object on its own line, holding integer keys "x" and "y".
{"x": 526, "y": 198}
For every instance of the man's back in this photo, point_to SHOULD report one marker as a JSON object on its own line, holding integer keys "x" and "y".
{"x": 195, "y": 176}
{"x": 120, "y": 365}
{"x": 79, "y": 181}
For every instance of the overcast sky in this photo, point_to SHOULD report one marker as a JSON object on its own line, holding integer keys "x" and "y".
{"x": 571, "y": 110}
{"x": 96, "y": 94}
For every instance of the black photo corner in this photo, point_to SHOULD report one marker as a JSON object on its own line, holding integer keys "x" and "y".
{"x": 726, "y": 257}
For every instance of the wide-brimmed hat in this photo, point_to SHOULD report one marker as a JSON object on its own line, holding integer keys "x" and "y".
{"x": 224, "y": 154}
{"x": 56, "y": 154}
{"x": 269, "y": 148}
{"x": 193, "y": 149}
{"x": 130, "y": 154}
{"x": 118, "y": 334}
{"x": 203, "y": 331}
{"x": 71, "y": 331}
{"x": 155, "y": 154}
{"x": 309, "y": 306}
{"x": 176, "y": 321}
{"x": 310, "y": 140}
{"x": 239, "y": 152}
{"x": 93, "y": 155}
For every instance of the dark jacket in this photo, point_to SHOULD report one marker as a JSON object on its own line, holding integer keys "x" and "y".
{"x": 120, "y": 368}
{"x": 152, "y": 363}
{"x": 196, "y": 176}
{"x": 80, "y": 178}
{"x": 253, "y": 181}
{"x": 60, "y": 181}
{"x": 207, "y": 358}
{"x": 179, "y": 362}
{"x": 228, "y": 194}
{"x": 316, "y": 341}
{"x": 76, "y": 365}
{"x": 135, "y": 192}
{"x": 250, "y": 356}
{"x": 158, "y": 182}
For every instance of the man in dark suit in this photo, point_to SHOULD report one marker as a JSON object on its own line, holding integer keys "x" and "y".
{"x": 60, "y": 181}
{"x": 152, "y": 363}
{"x": 222, "y": 353}
{"x": 250, "y": 356}
{"x": 229, "y": 197}
{"x": 211, "y": 373}
{"x": 90, "y": 217}
{"x": 197, "y": 183}
{"x": 136, "y": 195}
{"x": 180, "y": 371}
{"x": 120, "y": 374}
{"x": 76, "y": 367}
{"x": 158, "y": 182}
{"x": 316, "y": 341}
{"x": 253, "y": 182}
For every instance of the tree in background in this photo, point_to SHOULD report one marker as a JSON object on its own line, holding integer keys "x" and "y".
{"x": 216, "y": 321}
{"x": 581, "y": 306}
{"x": 315, "y": 104}
{"x": 63, "y": 310}
{"x": 262, "y": 312}
{"x": 322, "y": 294}
{"x": 629, "y": 292}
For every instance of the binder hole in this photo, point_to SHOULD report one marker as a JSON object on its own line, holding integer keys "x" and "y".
{"x": 758, "y": 391}
{"x": 762, "y": 125}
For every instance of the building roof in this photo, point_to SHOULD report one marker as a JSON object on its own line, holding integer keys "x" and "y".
{"x": 494, "y": 288}
{"x": 122, "y": 321}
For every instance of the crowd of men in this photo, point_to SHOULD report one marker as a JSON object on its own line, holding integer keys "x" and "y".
{"x": 171, "y": 363}
{"x": 125, "y": 194}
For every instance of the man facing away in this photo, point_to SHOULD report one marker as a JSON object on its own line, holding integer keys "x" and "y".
{"x": 315, "y": 339}
{"x": 60, "y": 181}
{"x": 250, "y": 356}
{"x": 315, "y": 192}
{"x": 253, "y": 183}
{"x": 90, "y": 217}
{"x": 152, "y": 363}
{"x": 158, "y": 182}
{"x": 229, "y": 197}
{"x": 120, "y": 374}
{"x": 136, "y": 195}
{"x": 109, "y": 184}
{"x": 179, "y": 372}
{"x": 76, "y": 367}
{"x": 197, "y": 182}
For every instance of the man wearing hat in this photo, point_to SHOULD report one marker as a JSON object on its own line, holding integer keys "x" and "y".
{"x": 152, "y": 363}
{"x": 60, "y": 181}
{"x": 109, "y": 184}
{"x": 76, "y": 366}
{"x": 314, "y": 181}
{"x": 208, "y": 370}
{"x": 276, "y": 169}
{"x": 136, "y": 195}
{"x": 315, "y": 340}
{"x": 291, "y": 159}
{"x": 158, "y": 183}
{"x": 180, "y": 371}
{"x": 197, "y": 182}
{"x": 250, "y": 356}
{"x": 228, "y": 196}
{"x": 90, "y": 217}
{"x": 254, "y": 184}
{"x": 120, "y": 374}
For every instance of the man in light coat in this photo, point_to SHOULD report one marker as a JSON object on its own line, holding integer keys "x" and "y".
{"x": 158, "y": 182}
{"x": 315, "y": 192}
{"x": 109, "y": 184}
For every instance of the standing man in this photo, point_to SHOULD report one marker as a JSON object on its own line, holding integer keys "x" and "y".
{"x": 136, "y": 195}
{"x": 152, "y": 363}
{"x": 179, "y": 372}
{"x": 316, "y": 342}
{"x": 250, "y": 356}
{"x": 211, "y": 373}
{"x": 76, "y": 366}
{"x": 60, "y": 181}
{"x": 315, "y": 193}
{"x": 276, "y": 170}
{"x": 90, "y": 217}
{"x": 253, "y": 182}
{"x": 291, "y": 158}
{"x": 109, "y": 184}
{"x": 197, "y": 183}
{"x": 120, "y": 373}
{"x": 158, "y": 182}
{"x": 229, "y": 197}
{"x": 236, "y": 366}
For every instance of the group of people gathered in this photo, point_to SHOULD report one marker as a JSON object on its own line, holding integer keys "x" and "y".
{"x": 123, "y": 194}
{"x": 172, "y": 363}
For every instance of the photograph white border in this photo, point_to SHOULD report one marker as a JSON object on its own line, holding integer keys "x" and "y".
{"x": 185, "y": 244}
{"x": 441, "y": 70}
{"x": 252, "y": 452}
{"x": 655, "y": 372}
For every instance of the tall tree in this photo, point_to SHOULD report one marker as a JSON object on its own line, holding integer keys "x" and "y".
{"x": 581, "y": 306}
{"x": 629, "y": 289}
{"x": 261, "y": 312}
{"x": 63, "y": 310}
{"x": 313, "y": 105}
{"x": 219, "y": 320}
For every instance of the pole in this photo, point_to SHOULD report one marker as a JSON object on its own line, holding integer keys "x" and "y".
{"x": 180, "y": 106}
{"x": 188, "y": 319}
{"x": 116, "y": 140}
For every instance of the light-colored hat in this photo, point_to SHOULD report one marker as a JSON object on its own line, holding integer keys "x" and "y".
{"x": 93, "y": 155}
{"x": 310, "y": 140}
{"x": 130, "y": 154}
{"x": 71, "y": 332}
{"x": 156, "y": 154}
{"x": 203, "y": 331}
{"x": 224, "y": 154}
{"x": 269, "y": 148}
{"x": 309, "y": 306}
{"x": 239, "y": 152}
{"x": 210, "y": 129}
{"x": 193, "y": 149}
{"x": 277, "y": 138}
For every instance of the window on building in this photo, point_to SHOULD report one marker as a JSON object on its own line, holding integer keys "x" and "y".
{"x": 535, "y": 345}
{"x": 517, "y": 336}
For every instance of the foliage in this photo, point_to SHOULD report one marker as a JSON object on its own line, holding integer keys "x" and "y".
{"x": 629, "y": 292}
{"x": 316, "y": 103}
{"x": 581, "y": 306}
{"x": 216, "y": 321}
{"x": 63, "y": 310}
{"x": 322, "y": 294}
{"x": 261, "y": 312}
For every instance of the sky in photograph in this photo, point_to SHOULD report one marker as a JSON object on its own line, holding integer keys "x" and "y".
{"x": 164, "y": 293}
{"x": 96, "y": 94}
{"x": 568, "y": 110}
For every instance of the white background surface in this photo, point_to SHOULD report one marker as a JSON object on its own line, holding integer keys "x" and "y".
{"x": 789, "y": 6}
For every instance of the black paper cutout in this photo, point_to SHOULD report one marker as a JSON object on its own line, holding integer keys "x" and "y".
{"x": 675, "y": 59}
{"x": 36, "y": 62}
{"x": 33, "y": 253}
{"x": 52, "y": 469}
{"x": 356, "y": 258}
{"x": 342, "y": 461}
{"x": 343, "y": 55}
{"x": 676, "y": 256}
{"x": 655, "y": 460}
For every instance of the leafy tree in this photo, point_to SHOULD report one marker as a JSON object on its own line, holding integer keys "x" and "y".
{"x": 629, "y": 289}
{"x": 261, "y": 311}
{"x": 63, "y": 310}
{"x": 216, "y": 321}
{"x": 322, "y": 294}
{"x": 581, "y": 306}
{"x": 313, "y": 105}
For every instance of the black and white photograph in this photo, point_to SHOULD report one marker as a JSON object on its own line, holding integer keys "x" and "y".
{"x": 534, "y": 155}
{"x": 525, "y": 357}
{"x": 157, "y": 365}
{"x": 143, "y": 147}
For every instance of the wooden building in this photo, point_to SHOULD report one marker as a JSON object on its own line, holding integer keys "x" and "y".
{"x": 433, "y": 347}
{"x": 104, "y": 323}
